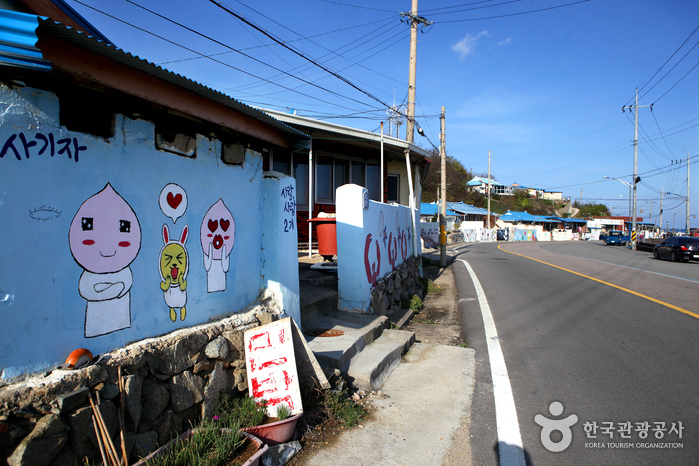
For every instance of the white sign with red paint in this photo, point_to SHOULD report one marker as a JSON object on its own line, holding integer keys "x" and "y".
{"x": 271, "y": 366}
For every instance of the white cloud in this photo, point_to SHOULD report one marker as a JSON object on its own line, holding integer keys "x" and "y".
{"x": 506, "y": 41}
{"x": 466, "y": 46}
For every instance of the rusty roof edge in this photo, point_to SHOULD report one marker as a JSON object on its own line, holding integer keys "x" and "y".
{"x": 111, "y": 51}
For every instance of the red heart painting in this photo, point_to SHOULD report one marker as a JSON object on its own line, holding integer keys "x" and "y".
{"x": 213, "y": 225}
{"x": 225, "y": 224}
{"x": 174, "y": 201}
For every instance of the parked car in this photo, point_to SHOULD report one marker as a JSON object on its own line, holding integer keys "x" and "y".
{"x": 677, "y": 248}
{"x": 616, "y": 237}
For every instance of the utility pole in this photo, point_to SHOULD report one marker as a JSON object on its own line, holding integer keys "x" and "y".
{"x": 636, "y": 178}
{"x": 415, "y": 20}
{"x": 487, "y": 225}
{"x": 443, "y": 203}
{"x": 660, "y": 220}
{"x": 410, "y": 124}
{"x": 687, "y": 232}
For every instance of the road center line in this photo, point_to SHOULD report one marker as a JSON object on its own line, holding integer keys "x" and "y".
{"x": 511, "y": 451}
{"x": 640, "y": 295}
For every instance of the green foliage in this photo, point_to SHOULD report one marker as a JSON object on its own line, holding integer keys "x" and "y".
{"x": 591, "y": 210}
{"x": 245, "y": 411}
{"x": 416, "y": 304}
{"x": 283, "y": 412}
{"x": 457, "y": 177}
{"x": 208, "y": 446}
{"x": 342, "y": 409}
{"x": 433, "y": 288}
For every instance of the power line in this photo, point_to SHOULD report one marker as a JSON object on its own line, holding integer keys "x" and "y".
{"x": 673, "y": 86}
{"x": 356, "y": 6}
{"x": 666, "y": 62}
{"x": 271, "y": 45}
{"x": 210, "y": 58}
{"x": 297, "y": 52}
{"x": 241, "y": 53}
{"x": 514, "y": 14}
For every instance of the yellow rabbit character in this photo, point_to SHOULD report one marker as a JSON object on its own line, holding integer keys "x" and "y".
{"x": 174, "y": 266}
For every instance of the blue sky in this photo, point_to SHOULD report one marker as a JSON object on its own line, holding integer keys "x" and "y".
{"x": 543, "y": 91}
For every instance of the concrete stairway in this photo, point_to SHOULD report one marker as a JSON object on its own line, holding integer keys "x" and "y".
{"x": 361, "y": 346}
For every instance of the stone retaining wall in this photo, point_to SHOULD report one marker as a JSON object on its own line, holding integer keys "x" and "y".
{"x": 170, "y": 382}
{"x": 395, "y": 286}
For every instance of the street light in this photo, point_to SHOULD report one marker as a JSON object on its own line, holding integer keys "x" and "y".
{"x": 632, "y": 188}
{"x": 673, "y": 222}
{"x": 627, "y": 184}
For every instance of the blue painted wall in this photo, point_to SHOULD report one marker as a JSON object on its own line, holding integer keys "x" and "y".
{"x": 47, "y": 173}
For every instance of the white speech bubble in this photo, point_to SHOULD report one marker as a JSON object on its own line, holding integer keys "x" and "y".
{"x": 173, "y": 201}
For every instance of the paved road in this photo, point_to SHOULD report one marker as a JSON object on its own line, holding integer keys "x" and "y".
{"x": 609, "y": 333}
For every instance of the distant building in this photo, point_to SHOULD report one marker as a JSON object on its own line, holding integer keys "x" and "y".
{"x": 480, "y": 185}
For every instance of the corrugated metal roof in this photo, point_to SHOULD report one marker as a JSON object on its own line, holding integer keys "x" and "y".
{"x": 468, "y": 209}
{"x": 511, "y": 216}
{"x": 18, "y": 41}
{"x": 84, "y": 41}
{"x": 359, "y": 134}
{"x": 433, "y": 209}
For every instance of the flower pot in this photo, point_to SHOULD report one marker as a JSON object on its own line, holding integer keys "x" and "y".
{"x": 275, "y": 432}
{"x": 254, "y": 460}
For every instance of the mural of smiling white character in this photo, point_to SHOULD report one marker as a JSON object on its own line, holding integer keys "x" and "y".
{"x": 217, "y": 240}
{"x": 105, "y": 238}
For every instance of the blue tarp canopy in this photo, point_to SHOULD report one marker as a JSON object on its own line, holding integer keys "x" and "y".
{"x": 568, "y": 220}
{"x": 467, "y": 209}
{"x": 514, "y": 217}
{"x": 433, "y": 209}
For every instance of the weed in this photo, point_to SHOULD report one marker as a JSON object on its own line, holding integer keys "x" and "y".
{"x": 208, "y": 446}
{"x": 343, "y": 409}
{"x": 433, "y": 288}
{"x": 283, "y": 412}
{"x": 463, "y": 345}
{"x": 416, "y": 304}
{"x": 245, "y": 411}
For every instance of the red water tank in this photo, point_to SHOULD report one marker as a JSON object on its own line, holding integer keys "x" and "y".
{"x": 327, "y": 237}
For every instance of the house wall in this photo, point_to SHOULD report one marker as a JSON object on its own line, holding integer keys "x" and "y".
{"x": 371, "y": 243}
{"x": 280, "y": 272}
{"x": 400, "y": 169}
{"x": 83, "y": 234}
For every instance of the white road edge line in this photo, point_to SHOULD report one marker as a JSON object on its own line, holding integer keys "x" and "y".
{"x": 510, "y": 447}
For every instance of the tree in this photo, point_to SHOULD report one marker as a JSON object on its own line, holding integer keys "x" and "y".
{"x": 457, "y": 178}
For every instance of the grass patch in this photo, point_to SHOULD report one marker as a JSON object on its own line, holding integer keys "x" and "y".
{"x": 433, "y": 288}
{"x": 415, "y": 304}
{"x": 208, "y": 446}
{"x": 283, "y": 412}
{"x": 342, "y": 409}
{"x": 244, "y": 412}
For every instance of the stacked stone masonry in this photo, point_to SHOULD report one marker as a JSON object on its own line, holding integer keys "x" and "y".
{"x": 396, "y": 286}
{"x": 170, "y": 382}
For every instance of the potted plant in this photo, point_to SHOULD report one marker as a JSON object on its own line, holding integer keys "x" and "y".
{"x": 208, "y": 444}
{"x": 253, "y": 419}
{"x": 275, "y": 432}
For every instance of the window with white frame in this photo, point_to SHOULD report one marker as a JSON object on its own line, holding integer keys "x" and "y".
{"x": 331, "y": 172}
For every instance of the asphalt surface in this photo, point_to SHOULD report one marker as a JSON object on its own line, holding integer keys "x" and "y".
{"x": 607, "y": 332}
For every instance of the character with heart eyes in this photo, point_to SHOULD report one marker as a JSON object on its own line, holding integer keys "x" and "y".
{"x": 217, "y": 239}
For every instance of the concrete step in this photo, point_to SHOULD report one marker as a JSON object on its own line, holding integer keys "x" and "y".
{"x": 398, "y": 320}
{"x": 374, "y": 364}
{"x": 357, "y": 332}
